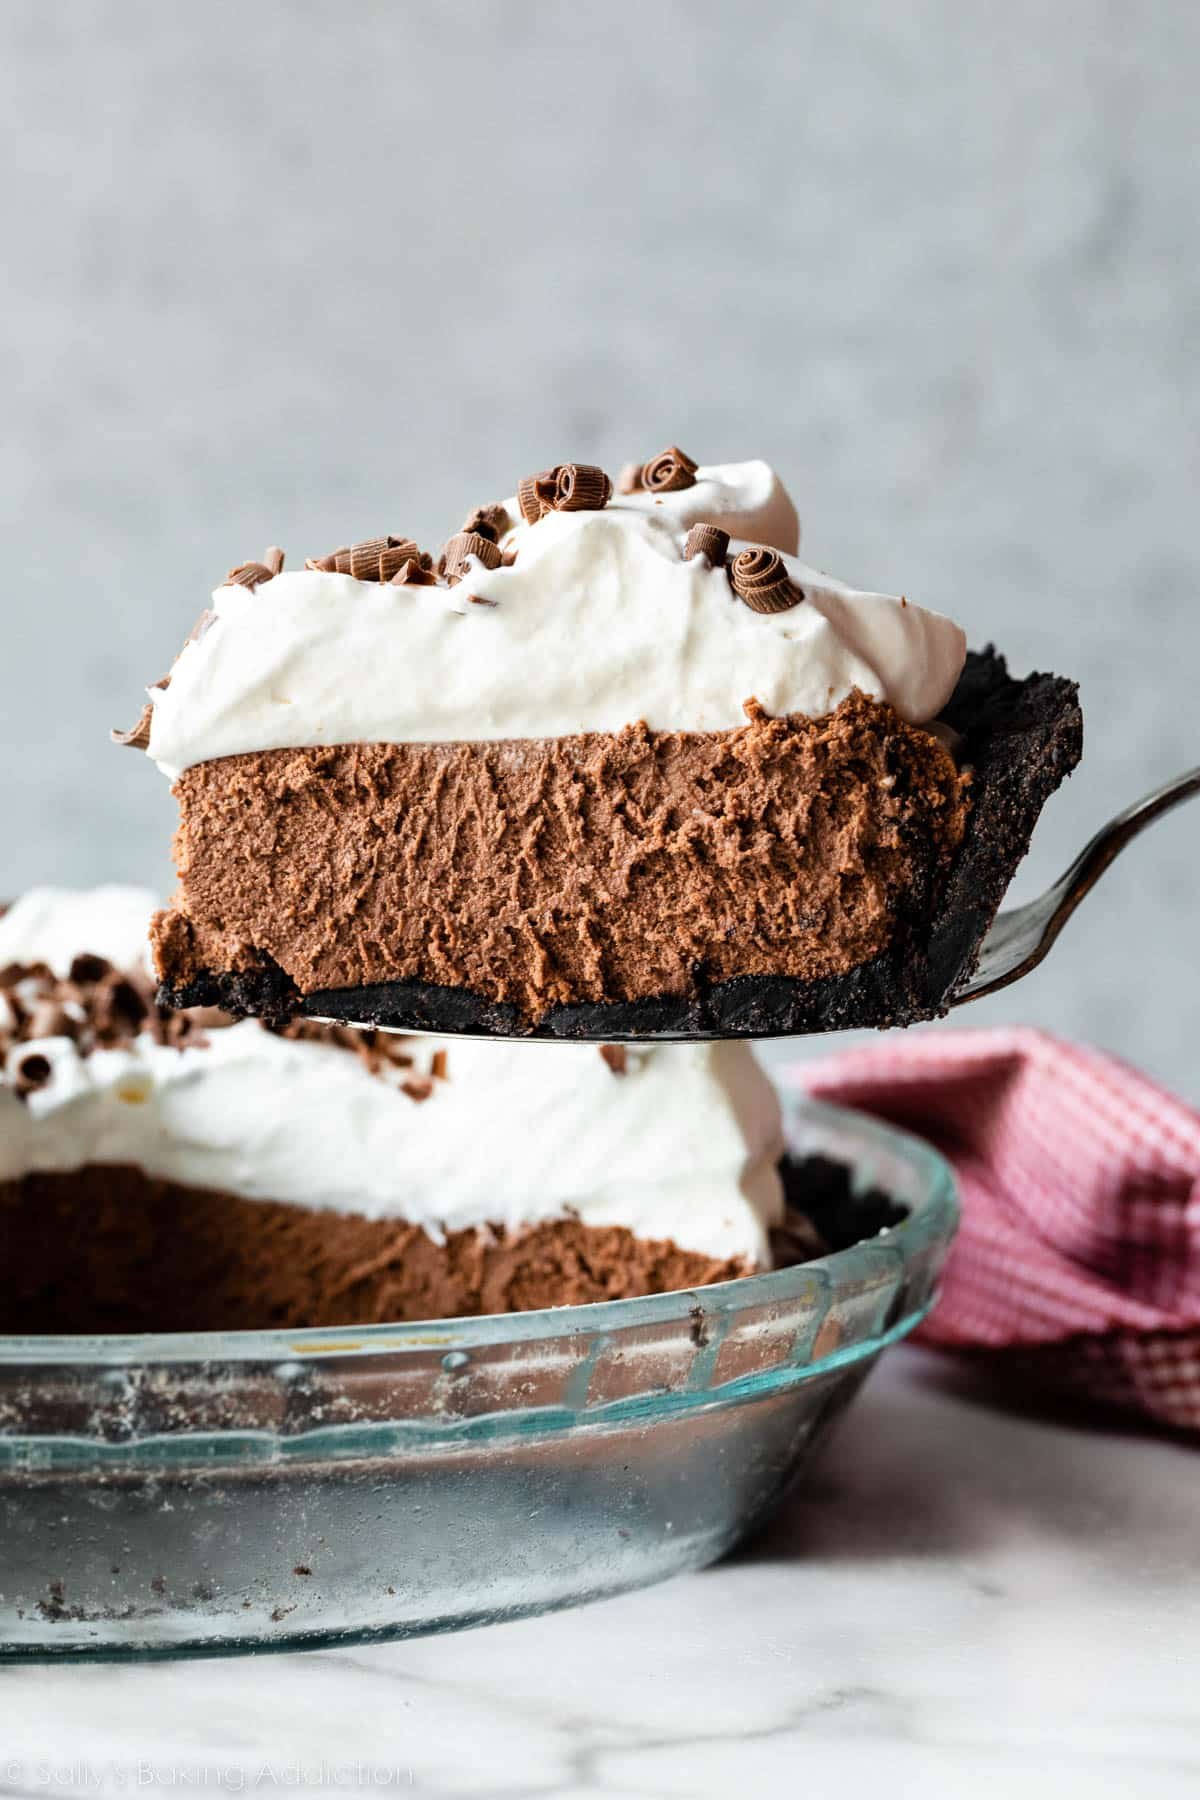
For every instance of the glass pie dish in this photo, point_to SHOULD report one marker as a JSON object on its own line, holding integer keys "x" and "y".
{"x": 220, "y": 1492}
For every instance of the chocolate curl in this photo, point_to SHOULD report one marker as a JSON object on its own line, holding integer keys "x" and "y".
{"x": 336, "y": 563}
{"x": 364, "y": 558}
{"x": 249, "y": 575}
{"x": 709, "y": 541}
{"x": 671, "y": 469}
{"x": 617, "y": 1058}
{"x": 417, "y": 572}
{"x": 253, "y": 574}
{"x": 630, "y": 478}
{"x": 760, "y": 579}
{"x": 87, "y": 969}
{"x": 488, "y": 521}
{"x": 138, "y": 738}
{"x": 581, "y": 487}
{"x": 50, "y": 1019}
{"x": 527, "y": 499}
{"x": 463, "y": 545}
{"x": 31, "y": 1073}
{"x": 395, "y": 553}
{"x": 373, "y": 559}
{"x": 536, "y": 494}
{"x": 207, "y": 618}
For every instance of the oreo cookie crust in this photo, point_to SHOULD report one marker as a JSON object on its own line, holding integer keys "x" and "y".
{"x": 943, "y": 872}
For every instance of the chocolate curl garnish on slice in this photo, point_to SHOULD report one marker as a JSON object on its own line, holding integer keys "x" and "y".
{"x": 336, "y": 563}
{"x": 364, "y": 558}
{"x": 488, "y": 521}
{"x": 463, "y": 545}
{"x": 373, "y": 559}
{"x": 396, "y": 553}
{"x": 416, "y": 573}
{"x": 709, "y": 541}
{"x": 139, "y": 737}
{"x": 536, "y": 494}
{"x": 581, "y": 487}
{"x": 760, "y": 579}
{"x": 617, "y": 1058}
{"x": 630, "y": 478}
{"x": 253, "y": 574}
{"x": 670, "y": 470}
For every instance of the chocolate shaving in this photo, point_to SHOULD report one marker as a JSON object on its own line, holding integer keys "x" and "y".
{"x": 49, "y": 1018}
{"x": 95, "y": 1005}
{"x": 364, "y": 558}
{"x": 250, "y": 575}
{"x": 671, "y": 469}
{"x": 416, "y": 573}
{"x": 536, "y": 494}
{"x": 373, "y": 559}
{"x": 709, "y": 541}
{"x": 253, "y": 574}
{"x": 507, "y": 559}
{"x": 393, "y": 557}
{"x": 465, "y": 544}
{"x": 488, "y": 521}
{"x": 581, "y": 487}
{"x": 87, "y": 969}
{"x": 567, "y": 487}
{"x": 329, "y": 565}
{"x": 629, "y": 480}
{"x": 439, "y": 1067}
{"x": 617, "y": 1058}
{"x": 207, "y": 618}
{"x": 138, "y": 737}
{"x": 760, "y": 579}
{"x": 418, "y": 1087}
{"x": 377, "y": 1050}
{"x": 99, "y": 1006}
{"x": 31, "y": 1073}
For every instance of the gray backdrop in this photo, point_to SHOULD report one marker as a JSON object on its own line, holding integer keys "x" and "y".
{"x": 302, "y": 273}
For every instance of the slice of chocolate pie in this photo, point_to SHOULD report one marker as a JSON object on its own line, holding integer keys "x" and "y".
{"x": 618, "y": 764}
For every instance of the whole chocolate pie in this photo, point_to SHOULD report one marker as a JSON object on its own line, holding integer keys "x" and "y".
{"x": 167, "y": 1171}
{"x": 612, "y": 764}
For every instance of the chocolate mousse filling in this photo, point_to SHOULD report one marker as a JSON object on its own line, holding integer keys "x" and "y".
{"x": 790, "y": 875}
{"x": 112, "y": 1249}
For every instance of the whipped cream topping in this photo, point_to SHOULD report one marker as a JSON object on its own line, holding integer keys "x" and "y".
{"x": 684, "y": 1146}
{"x": 52, "y": 925}
{"x": 599, "y": 623}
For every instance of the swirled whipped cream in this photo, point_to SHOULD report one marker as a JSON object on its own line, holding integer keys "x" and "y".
{"x": 683, "y": 1146}
{"x": 597, "y": 621}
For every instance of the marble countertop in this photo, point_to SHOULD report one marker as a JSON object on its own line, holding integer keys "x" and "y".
{"x": 967, "y": 1601}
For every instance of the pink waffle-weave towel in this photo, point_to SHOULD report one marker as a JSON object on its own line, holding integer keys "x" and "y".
{"x": 1078, "y": 1260}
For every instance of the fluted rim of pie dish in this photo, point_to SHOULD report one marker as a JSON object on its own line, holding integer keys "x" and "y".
{"x": 931, "y": 1217}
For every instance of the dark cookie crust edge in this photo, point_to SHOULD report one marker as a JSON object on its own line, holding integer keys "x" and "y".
{"x": 1023, "y": 738}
